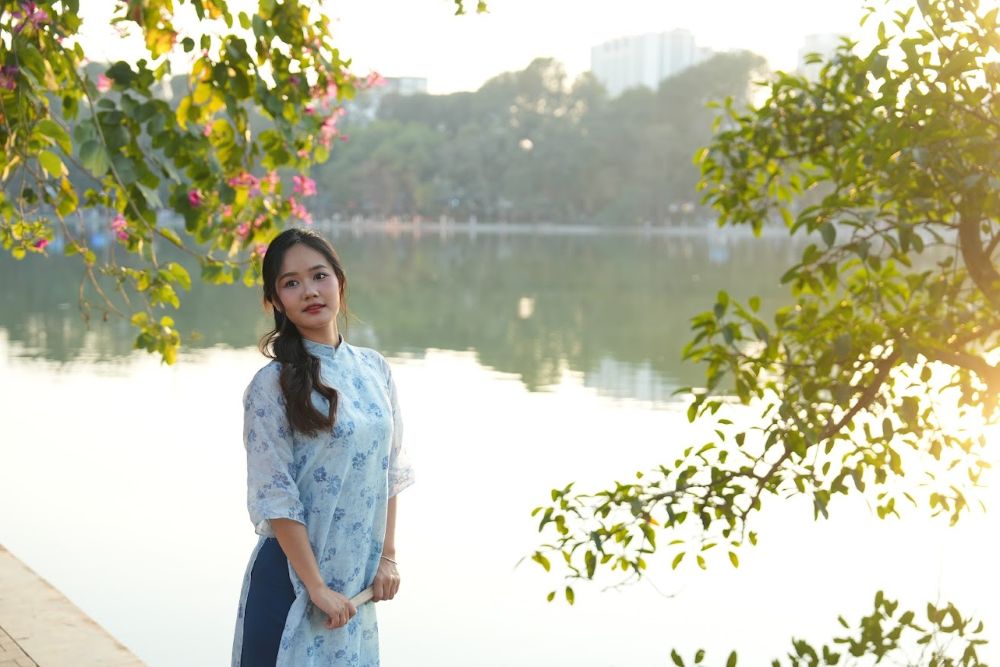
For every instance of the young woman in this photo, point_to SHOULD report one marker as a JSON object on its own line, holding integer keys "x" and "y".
{"x": 322, "y": 431}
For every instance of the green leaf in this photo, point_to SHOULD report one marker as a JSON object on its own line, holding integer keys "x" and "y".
{"x": 52, "y": 130}
{"x": 51, "y": 163}
{"x": 180, "y": 274}
{"x": 540, "y": 558}
{"x": 731, "y": 661}
{"x": 734, "y": 559}
{"x": 570, "y": 596}
{"x": 171, "y": 236}
{"x": 94, "y": 158}
{"x": 677, "y": 560}
{"x": 676, "y": 657}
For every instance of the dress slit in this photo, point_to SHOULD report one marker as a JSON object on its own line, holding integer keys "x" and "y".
{"x": 269, "y": 598}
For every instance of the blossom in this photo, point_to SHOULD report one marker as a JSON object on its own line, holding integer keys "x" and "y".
{"x": 243, "y": 230}
{"x": 308, "y": 110}
{"x": 119, "y": 225}
{"x": 374, "y": 79}
{"x": 328, "y": 130}
{"x": 207, "y": 130}
{"x": 272, "y": 180}
{"x": 304, "y": 185}
{"x": 194, "y": 198}
{"x": 260, "y": 249}
{"x": 245, "y": 180}
{"x": 30, "y": 13}
{"x": 299, "y": 211}
{"x": 104, "y": 83}
{"x": 40, "y": 244}
{"x": 8, "y": 77}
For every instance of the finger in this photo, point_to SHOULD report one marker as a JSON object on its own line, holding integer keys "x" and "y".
{"x": 351, "y": 610}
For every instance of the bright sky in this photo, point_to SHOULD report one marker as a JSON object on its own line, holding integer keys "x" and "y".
{"x": 423, "y": 38}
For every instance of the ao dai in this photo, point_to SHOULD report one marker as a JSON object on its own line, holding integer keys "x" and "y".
{"x": 338, "y": 484}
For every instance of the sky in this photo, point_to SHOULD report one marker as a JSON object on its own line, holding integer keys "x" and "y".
{"x": 423, "y": 38}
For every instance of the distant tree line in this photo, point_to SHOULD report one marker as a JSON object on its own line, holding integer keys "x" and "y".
{"x": 531, "y": 146}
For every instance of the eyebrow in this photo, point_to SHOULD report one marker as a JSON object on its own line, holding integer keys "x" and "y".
{"x": 295, "y": 273}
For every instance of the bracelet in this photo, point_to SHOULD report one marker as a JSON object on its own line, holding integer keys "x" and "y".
{"x": 389, "y": 559}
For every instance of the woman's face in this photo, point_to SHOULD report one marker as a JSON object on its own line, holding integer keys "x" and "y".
{"x": 308, "y": 293}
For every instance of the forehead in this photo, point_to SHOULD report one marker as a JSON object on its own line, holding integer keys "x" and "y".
{"x": 300, "y": 258}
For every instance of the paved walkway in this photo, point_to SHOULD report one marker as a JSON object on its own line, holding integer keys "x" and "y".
{"x": 39, "y": 627}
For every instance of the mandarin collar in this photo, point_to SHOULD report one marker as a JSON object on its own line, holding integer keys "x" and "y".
{"x": 322, "y": 350}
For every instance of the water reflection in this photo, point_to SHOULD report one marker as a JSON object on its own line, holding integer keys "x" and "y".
{"x": 612, "y": 308}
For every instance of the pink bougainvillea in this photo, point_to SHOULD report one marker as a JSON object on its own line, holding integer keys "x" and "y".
{"x": 300, "y": 211}
{"x": 104, "y": 83}
{"x": 194, "y": 198}
{"x": 40, "y": 244}
{"x": 119, "y": 225}
{"x": 8, "y": 77}
{"x": 304, "y": 185}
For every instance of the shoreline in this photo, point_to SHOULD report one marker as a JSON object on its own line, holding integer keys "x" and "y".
{"x": 40, "y": 627}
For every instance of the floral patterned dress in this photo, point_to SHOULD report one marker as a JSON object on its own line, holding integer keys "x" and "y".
{"x": 338, "y": 484}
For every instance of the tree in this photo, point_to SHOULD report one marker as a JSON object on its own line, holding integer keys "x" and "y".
{"x": 200, "y": 156}
{"x": 889, "y": 164}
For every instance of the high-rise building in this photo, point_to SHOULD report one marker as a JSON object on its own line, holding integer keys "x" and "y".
{"x": 644, "y": 60}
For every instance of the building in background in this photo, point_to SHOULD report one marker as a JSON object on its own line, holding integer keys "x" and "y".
{"x": 644, "y": 60}
{"x": 824, "y": 44}
{"x": 365, "y": 106}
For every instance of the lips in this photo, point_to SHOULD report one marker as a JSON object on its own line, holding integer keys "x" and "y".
{"x": 314, "y": 308}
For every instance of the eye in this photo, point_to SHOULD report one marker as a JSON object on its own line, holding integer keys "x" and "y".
{"x": 321, "y": 275}
{"x": 291, "y": 283}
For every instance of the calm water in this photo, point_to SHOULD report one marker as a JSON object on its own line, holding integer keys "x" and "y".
{"x": 523, "y": 363}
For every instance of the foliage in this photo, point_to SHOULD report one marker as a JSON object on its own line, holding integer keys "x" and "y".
{"x": 533, "y": 146}
{"x": 262, "y": 93}
{"x": 889, "y": 634}
{"x": 888, "y": 163}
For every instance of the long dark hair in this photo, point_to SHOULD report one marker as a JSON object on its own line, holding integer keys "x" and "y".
{"x": 299, "y": 369}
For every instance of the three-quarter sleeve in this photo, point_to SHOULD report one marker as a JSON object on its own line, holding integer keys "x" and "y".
{"x": 400, "y": 470}
{"x": 271, "y": 489}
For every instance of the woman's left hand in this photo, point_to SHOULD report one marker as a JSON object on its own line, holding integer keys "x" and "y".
{"x": 386, "y": 582}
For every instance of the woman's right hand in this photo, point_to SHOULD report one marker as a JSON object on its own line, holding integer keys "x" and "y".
{"x": 338, "y": 609}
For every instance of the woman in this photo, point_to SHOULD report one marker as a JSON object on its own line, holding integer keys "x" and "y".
{"x": 324, "y": 464}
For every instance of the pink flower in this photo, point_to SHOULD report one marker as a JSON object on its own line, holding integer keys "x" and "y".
{"x": 260, "y": 249}
{"x": 30, "y": 13}
{"x": 227, "y": 211}
{"x": 272, "y": 180}
{"x": 194, "y": 198}
{"x": 299, "y": 211}
{"x": 40, "y": 244}
{"x": 243, "y": 230}
{"x": 206, "y": 131}
{"x": 259, "y": 220}
{"x": 8, "y": 77}
{"x": 304, "y": 185}
{"x": 119, "y": 225}
{"x": 328, "y": 130}
{"x": 374, "y": 79}
{"x": 246, "y": 180}
{"x": 308, "y": 110}
{"x": 104, "y": 83}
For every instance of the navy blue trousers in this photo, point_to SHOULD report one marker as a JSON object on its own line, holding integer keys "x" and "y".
{"x": 268, "y": 600}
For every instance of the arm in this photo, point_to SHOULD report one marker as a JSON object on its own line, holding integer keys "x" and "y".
{"x": 273, "y": 496}
{"x": 294, "y": 541}
{"x": 386, "y": 582}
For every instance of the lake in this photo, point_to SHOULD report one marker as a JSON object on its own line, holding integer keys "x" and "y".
{"x": 523, "y": 363}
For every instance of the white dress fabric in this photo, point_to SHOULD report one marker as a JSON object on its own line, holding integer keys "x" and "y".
{"x": 338, "y": 484}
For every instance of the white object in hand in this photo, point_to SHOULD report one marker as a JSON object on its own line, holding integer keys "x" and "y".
{"x": 362, "y": 597}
